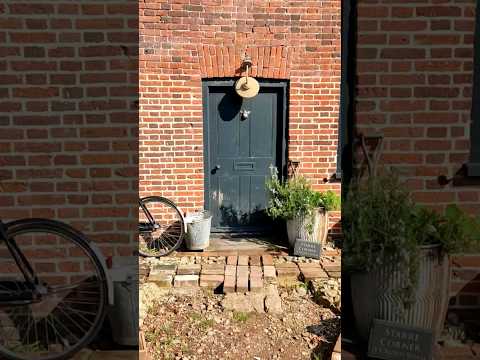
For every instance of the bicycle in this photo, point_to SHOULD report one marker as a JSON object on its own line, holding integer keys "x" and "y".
{"x": 161, "y": 226}
{"x": 54, "y": 290}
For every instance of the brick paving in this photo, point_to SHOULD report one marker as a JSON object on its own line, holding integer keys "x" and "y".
{"x": 229, "y": 274}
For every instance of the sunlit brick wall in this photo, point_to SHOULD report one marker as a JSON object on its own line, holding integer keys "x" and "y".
{"x": 68, "y": 116}
{"x": 184, "y": 42}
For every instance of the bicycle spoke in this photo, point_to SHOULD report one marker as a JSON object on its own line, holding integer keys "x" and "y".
{"x": 169, "y": 231}
{"x": 73, "y": 322}
{"x": 76, "y": 312}
{"x": 64, "y": 310}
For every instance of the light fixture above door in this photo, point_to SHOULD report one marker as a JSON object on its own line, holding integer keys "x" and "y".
{"x": 247, "y": 87}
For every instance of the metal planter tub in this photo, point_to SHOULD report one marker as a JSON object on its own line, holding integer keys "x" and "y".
{"x": 308, "y": 228}
{"x": 375, "y": 294}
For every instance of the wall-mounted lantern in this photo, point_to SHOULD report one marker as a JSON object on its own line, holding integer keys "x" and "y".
{"x": 247, "y": 87}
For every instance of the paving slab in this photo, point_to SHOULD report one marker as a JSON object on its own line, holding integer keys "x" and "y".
{"x": 287, "y": 265}
{"x": 267, "y": 260}
{"x": 256, "y": 271}
{"x": 243, "y": 260}
{"x": 164, "y": 267}
{"x": 312, "y": 274}
{"x": 308, "y": 266}
{"x": 232, "y": 260}
{"x": 230, "y": 270}
{"x": 229, "y": 284}
{"x": 288, "y": 272}
{"x": 243, "y": 270}
{"x": 273, "y": 302}
{"x": 161, "y": 278}
{"x": 335, "y": 274}
{"x": 237, "y": 302}
{"x": 256, "y": 284}
{"x": 211, "y": 281}
{"x": 255, "y": 260}
{"x": 242, "y": 283}
{"x": 329, "y": 265}
{"x": 188, "y": 269}
{"x": 269, "y": 272}
{"x": 213, "y": 269}
{"x": 257, "y": 299}
{"x": 287, "y": 276}
{"x": 288, "y": 282}
{"x": 186, "y": 281}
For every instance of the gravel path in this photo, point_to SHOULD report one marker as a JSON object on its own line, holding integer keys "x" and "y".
{"x": 197, "y": 327}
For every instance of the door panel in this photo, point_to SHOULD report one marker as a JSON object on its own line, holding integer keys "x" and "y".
{"x": 239, "y": 154}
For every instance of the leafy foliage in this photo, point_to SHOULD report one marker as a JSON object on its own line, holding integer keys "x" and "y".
{"x": 295, "y": 197}
{"x": 375, "y": 219}
{"x": 458, "y": 231}
{"x": 381, "y": 224}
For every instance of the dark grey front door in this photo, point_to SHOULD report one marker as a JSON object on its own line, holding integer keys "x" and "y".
{"x": 243, "y": 138}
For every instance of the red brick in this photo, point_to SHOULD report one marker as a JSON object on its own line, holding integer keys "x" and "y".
{"x": 211, "y": 281}
{"x": 277, "y": 50}
{"x": 242, "y": 283}
{"x": 229, "y": 284}
{"x": 243, "y": 260}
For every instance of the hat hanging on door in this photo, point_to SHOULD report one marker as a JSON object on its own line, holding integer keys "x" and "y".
{"x": 247, "y": 87}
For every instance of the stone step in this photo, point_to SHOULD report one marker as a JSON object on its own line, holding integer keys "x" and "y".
{"x": 239, "y": 273}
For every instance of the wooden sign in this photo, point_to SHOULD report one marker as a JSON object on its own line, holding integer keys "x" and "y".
{"x": 391, "y": 341}
{"x": 307, "y": 249}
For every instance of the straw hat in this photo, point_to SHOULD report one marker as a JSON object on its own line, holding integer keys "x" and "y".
{"x": 247, "y": 87}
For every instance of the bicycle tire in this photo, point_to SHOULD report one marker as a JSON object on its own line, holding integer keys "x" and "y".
{"x": 25, "y": 226}
{"x": 172, "y": 205}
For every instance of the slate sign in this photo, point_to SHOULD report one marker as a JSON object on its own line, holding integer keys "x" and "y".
{"x": 307, "y": 249}
{"x": 391, "y": 341}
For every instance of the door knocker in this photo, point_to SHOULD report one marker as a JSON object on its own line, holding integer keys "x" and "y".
{"x": 244, "y": 114}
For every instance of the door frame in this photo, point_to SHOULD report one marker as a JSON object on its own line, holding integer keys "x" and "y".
{"x": 283, "y": 85}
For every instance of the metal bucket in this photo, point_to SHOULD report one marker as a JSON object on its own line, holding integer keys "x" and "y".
{"x": 374, "y": 294}
{"x": 124, "y": 313}
{"x": 198, "y": 230}
{"x": 298, "y": 228}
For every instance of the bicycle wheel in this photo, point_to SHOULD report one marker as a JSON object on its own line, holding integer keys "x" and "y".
{"x": 73, "y": 287}
{"x": 161, "y": 226}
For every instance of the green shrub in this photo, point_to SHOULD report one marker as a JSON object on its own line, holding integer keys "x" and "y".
{"x": 381, "y": 224}
{"x": 295, "y": 197}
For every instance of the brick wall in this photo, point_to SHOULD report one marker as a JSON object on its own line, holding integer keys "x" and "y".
{"x": 68, "y": 118}
{"x": 183, "y": 42}
{"x": 414, "y": 86}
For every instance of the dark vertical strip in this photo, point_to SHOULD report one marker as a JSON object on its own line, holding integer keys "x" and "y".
{"x": 349, "y": 42}
{"x": 474, "y": 168}
{"x": 347, "y": 110}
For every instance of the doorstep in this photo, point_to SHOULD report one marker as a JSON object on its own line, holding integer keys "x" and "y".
{"x": 224, "y": 244}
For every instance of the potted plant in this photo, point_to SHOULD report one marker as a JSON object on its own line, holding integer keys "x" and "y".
{"x": 397, "y": 254}
{"x": 304, "y": 209}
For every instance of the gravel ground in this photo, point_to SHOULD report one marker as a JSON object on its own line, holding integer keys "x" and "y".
{"x": 196, "y": 327}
